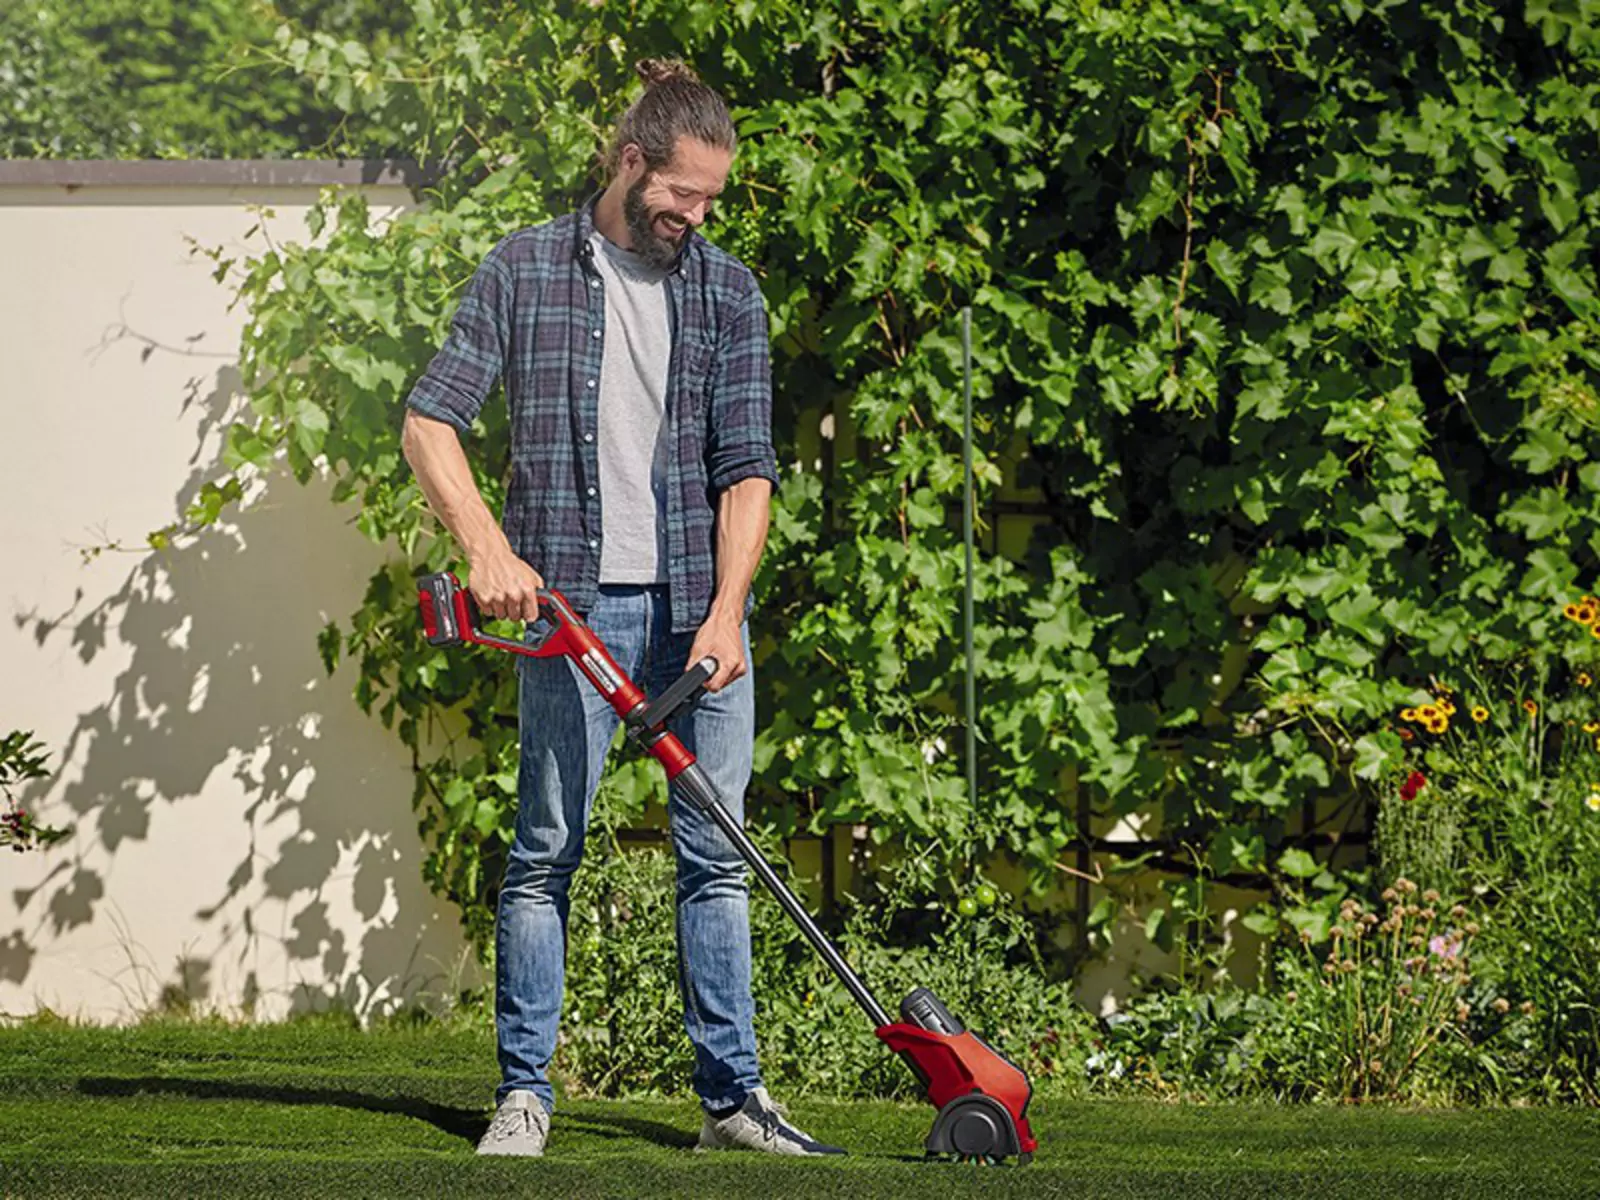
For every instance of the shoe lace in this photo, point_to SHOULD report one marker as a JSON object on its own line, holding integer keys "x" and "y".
{"x": 771, "y": 1118}
{"x": 510, "y": 1122}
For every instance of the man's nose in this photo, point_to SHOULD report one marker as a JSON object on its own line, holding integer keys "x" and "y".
{"x": 697, "y": 214}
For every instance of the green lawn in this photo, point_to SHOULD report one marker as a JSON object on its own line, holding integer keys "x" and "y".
{"x": 319, "y": 1110}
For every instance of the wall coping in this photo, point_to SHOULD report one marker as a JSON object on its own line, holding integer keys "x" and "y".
{"x": 259, "y": 172}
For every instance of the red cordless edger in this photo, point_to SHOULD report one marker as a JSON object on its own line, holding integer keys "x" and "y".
{"x": 982, "y": 1097}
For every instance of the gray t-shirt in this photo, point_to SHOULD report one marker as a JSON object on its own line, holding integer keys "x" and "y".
{"x": 633, "y": 433}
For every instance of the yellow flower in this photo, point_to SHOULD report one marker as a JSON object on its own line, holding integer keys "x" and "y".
{"x": 1594, "y": 630}
{"x": 1593, "y": 802}
{"x": 1583, "y": 679}
{"x": 1439, "y": 724}
{"x": 1480, "y": 714}
{"x": 1587, "y": 613}
{"x": 1448, "y": 709}
{"x": 1591, "y": 726}
{"x": 1570, "y": 612}
{"x": 1531, "y": 707}
{"x": 1408, "y": 714}
{"x": 1428, "y": 712}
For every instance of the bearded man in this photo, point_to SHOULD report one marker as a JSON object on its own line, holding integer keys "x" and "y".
{"x": 635, "y": 361}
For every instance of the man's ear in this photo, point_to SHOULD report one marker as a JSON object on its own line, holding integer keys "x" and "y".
{"x": 631, "y": 159}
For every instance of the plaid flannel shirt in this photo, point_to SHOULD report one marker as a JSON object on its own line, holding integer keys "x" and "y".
{"x": 534, "y": 316}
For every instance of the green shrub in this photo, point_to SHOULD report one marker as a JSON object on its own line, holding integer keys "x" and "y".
{"x": 22, "y": 760}
{"x": 1182, "y": 1041}
{"x": 623, "y": 1028}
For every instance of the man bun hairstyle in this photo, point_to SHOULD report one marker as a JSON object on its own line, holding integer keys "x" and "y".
{"x": 674, "y": 104}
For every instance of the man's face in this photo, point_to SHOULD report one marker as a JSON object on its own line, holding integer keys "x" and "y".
{"x": 662, "y": 206}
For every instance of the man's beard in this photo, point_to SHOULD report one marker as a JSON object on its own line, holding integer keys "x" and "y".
{"x": 654, "y": 251}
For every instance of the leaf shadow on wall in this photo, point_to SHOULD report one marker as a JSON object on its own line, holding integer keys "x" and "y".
{"x": 323, "y": 904}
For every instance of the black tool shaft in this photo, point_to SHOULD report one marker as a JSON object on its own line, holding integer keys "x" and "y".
{"x": 698, "y": 788}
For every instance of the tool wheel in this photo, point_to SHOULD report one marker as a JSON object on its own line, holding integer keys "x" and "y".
{"x": 975, "y": 1128}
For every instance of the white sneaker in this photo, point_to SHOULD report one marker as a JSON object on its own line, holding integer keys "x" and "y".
{"x": 759, "y": 1124}
{"x": 520, "y": 1126}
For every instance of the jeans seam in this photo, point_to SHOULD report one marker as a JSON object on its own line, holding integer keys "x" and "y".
{"x": 686, "y": 982}
{"x": 648, "y": 656}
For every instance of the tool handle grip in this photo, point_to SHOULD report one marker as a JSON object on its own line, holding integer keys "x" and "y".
{"x": 450, "y": 617}
{"x": 683, "y": 695}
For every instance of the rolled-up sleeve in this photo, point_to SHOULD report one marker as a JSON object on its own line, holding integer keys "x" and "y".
{"x": 739, "y": 427}
{"x": 464, "y": 371}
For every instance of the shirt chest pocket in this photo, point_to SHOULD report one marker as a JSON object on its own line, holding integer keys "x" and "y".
{"x": 696, "y": 360}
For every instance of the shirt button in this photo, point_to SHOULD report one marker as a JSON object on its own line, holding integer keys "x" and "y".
{"x": 591, "y": 491}
{"x": 594, "y": 283}
{"x": 588, "y": 437}
{"x": 594, "y": 543}
{"x": 596, "y": 333}
{"x": 590, "y": 385}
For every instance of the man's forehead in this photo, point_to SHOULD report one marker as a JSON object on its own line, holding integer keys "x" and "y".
{"x": 698, "y": 166}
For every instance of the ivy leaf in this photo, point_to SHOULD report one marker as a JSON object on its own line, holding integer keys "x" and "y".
{"x": 1373, "y": 756}
{"x": 245, "y": 445}
{"x": 1312, "y": 922}
{"x": 1543, "y": 451}
{"x": 1550, "y": 574}
{"x": 1226, "y": 264}
{"x": 923, "y": 509}
{"x": 1158, "y": 928}
{"x": 1538, "y": 514}
{"x": 1102, "y": 913}
{"x": 1333, "y": 246}
{"x": 1298, "y": 863}
{"x": 1573, "y": 290}
{"x": 1270, "y": 288}
{"x": 1237, "y": 847}
{"x": 310, "y": 429}
{"x": 1361, "y": 613}
{"x": 1261, "y": 921}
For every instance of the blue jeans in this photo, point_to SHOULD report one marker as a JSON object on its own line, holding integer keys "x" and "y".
{"x": 567, "y": 729}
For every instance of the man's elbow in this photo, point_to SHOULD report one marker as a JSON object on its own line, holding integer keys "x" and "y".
{"x": 419, "y": 434}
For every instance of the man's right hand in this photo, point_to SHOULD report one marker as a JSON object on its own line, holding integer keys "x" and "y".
{"x": 505, "y": 587}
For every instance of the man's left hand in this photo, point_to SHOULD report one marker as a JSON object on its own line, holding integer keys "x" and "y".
{"x": 720, "y": 638}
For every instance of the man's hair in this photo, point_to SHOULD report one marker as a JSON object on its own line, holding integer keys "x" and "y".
{"x": 674, "y": 104}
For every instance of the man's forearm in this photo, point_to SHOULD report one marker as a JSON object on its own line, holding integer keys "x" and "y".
{"x": 743, "y": 511}
{"x": 440, "y": 465}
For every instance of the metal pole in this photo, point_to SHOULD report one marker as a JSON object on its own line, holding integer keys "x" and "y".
{"x": 966, "y": 536}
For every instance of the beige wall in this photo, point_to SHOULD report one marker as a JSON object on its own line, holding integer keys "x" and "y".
{"x": 242, "y": 829}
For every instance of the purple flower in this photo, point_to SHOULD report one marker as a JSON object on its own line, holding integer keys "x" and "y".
{"x": 1444, "y": 947}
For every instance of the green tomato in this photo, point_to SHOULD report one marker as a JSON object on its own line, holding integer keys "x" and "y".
{"x": 967, "y": 906}
{"x": 986, "y": 895}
